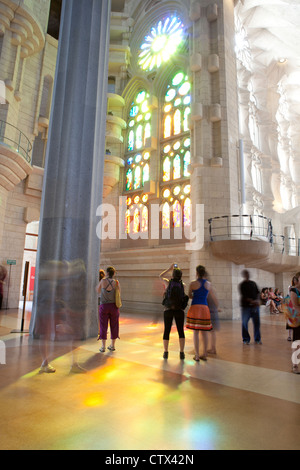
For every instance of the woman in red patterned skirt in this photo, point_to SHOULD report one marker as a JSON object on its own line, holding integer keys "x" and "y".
{"x": 198, "y": 316}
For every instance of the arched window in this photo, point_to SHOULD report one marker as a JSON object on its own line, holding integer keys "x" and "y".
{"x": 137, "y": 168}
{"x": 175, "y": 152}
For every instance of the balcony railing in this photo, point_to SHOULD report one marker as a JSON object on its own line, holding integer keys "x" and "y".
{"x": 240, "y": 227}
{"x": 251, "y": 227}
{"x": 13, "y": 138}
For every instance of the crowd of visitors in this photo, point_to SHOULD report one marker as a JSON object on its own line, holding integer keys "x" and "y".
{"x": 202, "y": 314}
{"x": 273, "y": 299}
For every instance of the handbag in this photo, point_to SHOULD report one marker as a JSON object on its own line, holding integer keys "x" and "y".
{"x": 118, "y": 300}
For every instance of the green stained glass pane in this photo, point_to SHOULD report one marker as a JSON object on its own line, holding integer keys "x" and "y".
{"x": 134, "y": 111}
{"x": 187, "y": 100}
{"x": 147, "y": 116}
{"x": 129, "y": 180}
{"x": 177, "y": 102}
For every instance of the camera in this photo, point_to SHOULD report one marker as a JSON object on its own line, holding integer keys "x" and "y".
{"x": 175, "y": 265}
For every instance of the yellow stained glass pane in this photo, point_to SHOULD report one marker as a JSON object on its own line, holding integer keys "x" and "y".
{"x": 144, "y": 219}
{"x": 136, "y": 221}
{"x": 166, "y": 216}
{"x": 166, "y": 193}
{"x": 127, "y": 221}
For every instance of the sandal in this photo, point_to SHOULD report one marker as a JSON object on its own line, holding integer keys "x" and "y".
{"x": 203, "y": 358}
{"x": 196, "y": 358}
{"x": 102, "y": 349}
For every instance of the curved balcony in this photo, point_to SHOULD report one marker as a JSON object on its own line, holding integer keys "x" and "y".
{"x": 249, "y": 240}
{"x": 15, "y": 156}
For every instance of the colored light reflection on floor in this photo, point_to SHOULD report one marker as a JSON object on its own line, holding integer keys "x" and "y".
{"x": 94, "y": 400}
{"x": 200, "y": 435}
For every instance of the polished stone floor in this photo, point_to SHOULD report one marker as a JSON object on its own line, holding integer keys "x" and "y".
{"x": 245, "y": 397}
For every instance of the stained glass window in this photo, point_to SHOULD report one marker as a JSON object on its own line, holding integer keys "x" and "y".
{"x": 137, "y": 168}
{"x": 175, "y": 125}
{"x": 138, "y": 123}
{"x": 161, "y": 43}
{"x": 178, "y": 198}
{"x": 137, "y": 214}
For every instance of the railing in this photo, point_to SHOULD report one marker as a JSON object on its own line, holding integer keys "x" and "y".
{"x": 15, "y": 139}
{"x": 251, "y": 227}
{"x": 240, "y": 227}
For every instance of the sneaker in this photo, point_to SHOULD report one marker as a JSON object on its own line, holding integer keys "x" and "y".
{"x": 111, "y": 348}
{"x": 258, "y": 342}
{"x": 166, "y": 355}
{"x": 48, "y": 369}
{"x": 246, "y": 343}
{"x": 182, "y": 355}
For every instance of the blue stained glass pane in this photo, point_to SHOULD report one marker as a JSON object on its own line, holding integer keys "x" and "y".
{"x": 134, "y": 111}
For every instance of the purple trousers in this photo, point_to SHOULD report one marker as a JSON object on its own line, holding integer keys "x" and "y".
{"x": 108, "y": 313}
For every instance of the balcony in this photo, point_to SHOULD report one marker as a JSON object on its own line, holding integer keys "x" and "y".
{"x": 249, "y": 240}
{"x": 15, "y": 156}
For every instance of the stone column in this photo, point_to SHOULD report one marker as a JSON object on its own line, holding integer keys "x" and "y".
{"x": 69, "y": 250}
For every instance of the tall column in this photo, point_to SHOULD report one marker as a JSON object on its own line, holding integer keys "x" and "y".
{"x": 68, "y": 251}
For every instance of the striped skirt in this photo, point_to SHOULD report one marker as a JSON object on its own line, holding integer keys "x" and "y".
{"x": 198, "y": 318}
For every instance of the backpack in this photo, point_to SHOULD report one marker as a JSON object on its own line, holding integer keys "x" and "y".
{"x": 174, "y": 296}
{"x": 292, "y": 318}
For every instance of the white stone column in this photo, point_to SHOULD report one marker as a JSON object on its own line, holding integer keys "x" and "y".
{"x": 74, "y": 169}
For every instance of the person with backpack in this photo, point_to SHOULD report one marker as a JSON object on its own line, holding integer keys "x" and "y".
{"x": 175, "y": 302}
